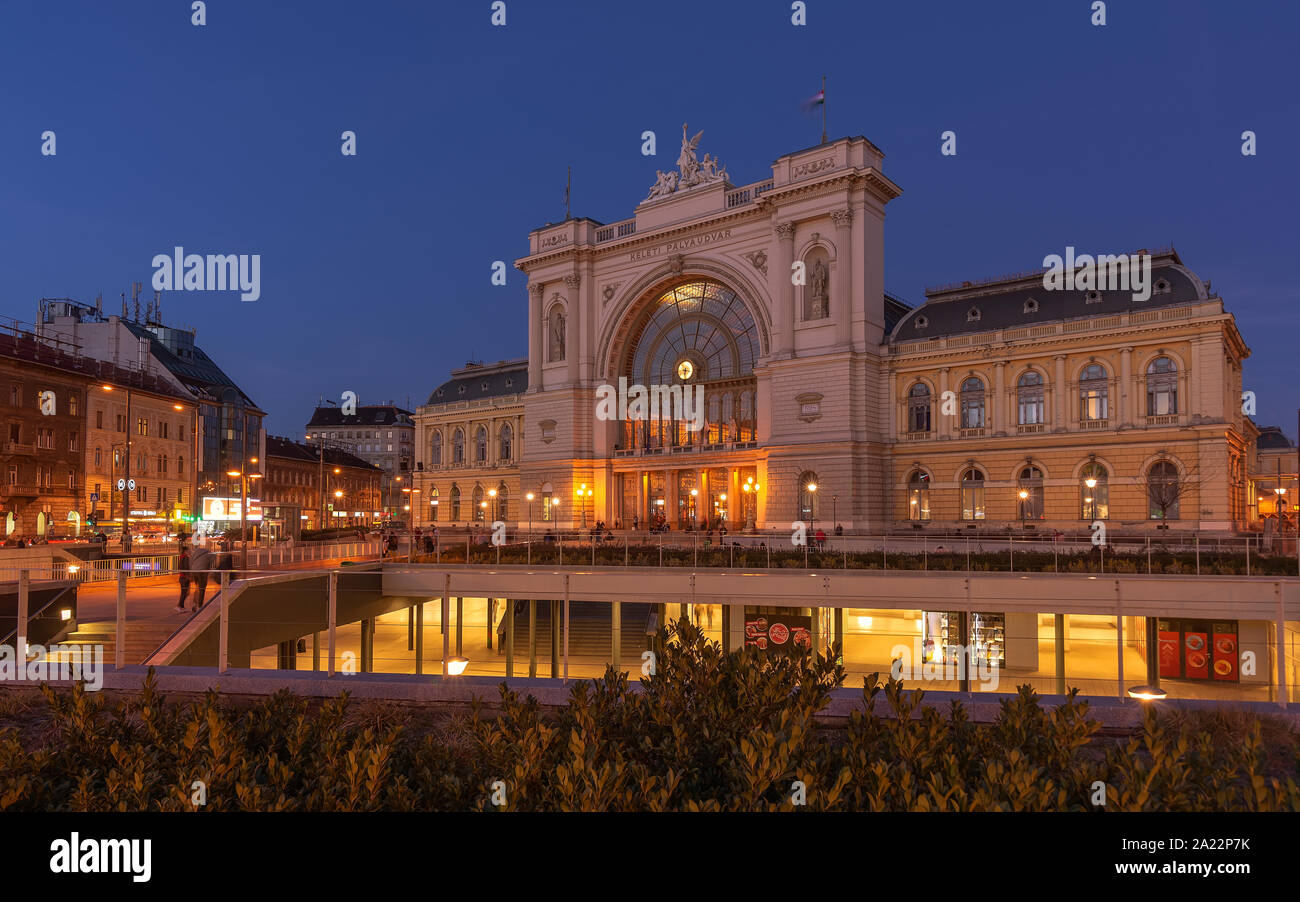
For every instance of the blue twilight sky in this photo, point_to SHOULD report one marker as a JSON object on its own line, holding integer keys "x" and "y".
{"x": 376, "y": 268}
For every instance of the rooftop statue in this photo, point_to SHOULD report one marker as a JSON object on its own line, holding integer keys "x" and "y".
{"x": 690, "y": 170}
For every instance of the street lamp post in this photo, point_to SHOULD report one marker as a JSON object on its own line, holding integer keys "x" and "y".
{"x": 411, "y": 506}
{"x": 750, "y": 488}
{"x": 812, "y": 507}
{"x": 530, "y": 497}
{"x": 695, "y": 514}
{"x": 1091, "y": 498}
{"x": 244, "y": 476}
{"x": 496, "y": 508}
{"x": 1024, "y": 508}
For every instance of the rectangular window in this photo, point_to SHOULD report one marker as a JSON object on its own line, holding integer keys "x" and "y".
{"x": 166, "y": 428}
{"x": 99, "y": 419}
{"x": 142, "y": 426}
{"x": 16, "y": 396}
{"x": 13, "y": 474}
{"x": 72, "y": 405}
{"x": 121, "y": 422}
{"x": 45, "y": 438}
{"x": 72, "y": 480}
{"x": 74, "y": 441}
{"x": 15, "y": 433}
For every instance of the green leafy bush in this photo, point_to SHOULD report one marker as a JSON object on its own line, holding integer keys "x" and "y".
{"x": 706, "y": 731}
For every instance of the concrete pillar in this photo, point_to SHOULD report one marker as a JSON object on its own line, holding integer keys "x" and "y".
{"x": 842, "y": 293}
{"x": 419, "y": 638}
{"x": 783, "y": 291}
{"x": 532, "y": 638}
{"x": 510, "y": 637}
{"x": 616, "y": 634}
{"x": 555, "y": 640}
{"x": 460, "y": 620}
{"x": 1059, "y": 636}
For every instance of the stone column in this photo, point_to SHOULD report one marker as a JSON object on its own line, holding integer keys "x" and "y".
{"x": 640, "y": 500}
{"x": 943, "y": 421}
{"x": 784, "y": 316}
{"x": 1126, "y": 393}
{"x": 572, "y": 324}
{"x": 841, "y": 293}
{"x": 1000, "y": 398}
{"x": 1059, "y": 419}
{"x": 536, "y": 330}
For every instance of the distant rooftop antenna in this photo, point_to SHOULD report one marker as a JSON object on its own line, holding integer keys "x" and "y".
{"x": 135, "y": 297}
{"x": 99, "y": 304}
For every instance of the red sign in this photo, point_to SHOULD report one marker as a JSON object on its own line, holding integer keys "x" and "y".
{"x": 1224, "y": 652}
{"x": 1168, "y": 651}
{"x": 1196, "y": 655}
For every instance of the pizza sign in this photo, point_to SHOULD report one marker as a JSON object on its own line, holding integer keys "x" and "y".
{"x": 779, "y": 634}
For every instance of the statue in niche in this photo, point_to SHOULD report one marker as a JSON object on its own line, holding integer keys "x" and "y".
{"x": 820, "y": 306}
{"x": 557, "y": 335}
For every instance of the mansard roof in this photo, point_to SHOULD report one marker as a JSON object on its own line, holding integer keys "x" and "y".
{"x": 1021, "y": 300}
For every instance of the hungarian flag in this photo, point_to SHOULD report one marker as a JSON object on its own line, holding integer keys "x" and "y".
{"x": 814, "y": 101}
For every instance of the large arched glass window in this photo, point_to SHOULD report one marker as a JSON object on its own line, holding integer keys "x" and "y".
{"x": 1029, "y": 399}
{"x": 1094, "y": 393}
{"x": 1163, "y": 490}
{"x": 1029, "y": 493}
{"x": 503, "y": 504}
{"x": 458, "y": 446}
{"x": 1094, "y": 492}
{"x": 455, "y": 502}
{"x": 480, "y": 511}
{"x": 918, "y": 408}
{"x": 697, "y": 333}
{"x": 972, "y": 403}
{"x": 808, "y": 489}
{"x": 1162, "y": 387}
{"x": 918, "y": 491}
{"x": 433, "y": 504}
{"x": 480, "y": 445}
{"x": 507, "y": 436}
{"x": 972, "y": 495}
{"x": 435, "y": 448}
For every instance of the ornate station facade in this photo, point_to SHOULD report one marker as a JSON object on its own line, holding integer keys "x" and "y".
{"x": 993, "y": 404}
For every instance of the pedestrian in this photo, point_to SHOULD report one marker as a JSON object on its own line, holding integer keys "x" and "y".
{"x": 200, "y": 563}
{"x": 392, "y": 543}
{"x": 821, "y": 539}
{"x": 183, "y": 569}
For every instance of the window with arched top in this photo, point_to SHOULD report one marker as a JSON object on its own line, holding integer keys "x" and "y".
{"x": 433, "y": 504}
{"x": 972, "y": 403}
{"x": 458, "y": 446}
{"x": 1094, "y": 492}
{"x": 435, "y": 448}
{"x": 455, "y": 502}
{"x": 555, "y": 334}
{"x": 480, "y": 504}
{"x": 1094, "y": 393}
{"x": 507, "y": 436}
{"x": 503, "y": 503}
{"x": 1162, "y": 387}
{"x": 918, "y": 491}
{"x": 972, "y": 494}
{"x": 480, "y": 445}
{"x": 1029, "y": 493}
{"x": 808, "y": 489}
{"x": 1029, "y": 399}
{"x": 918, "y": 408}
{"x": 1163, "y": 490}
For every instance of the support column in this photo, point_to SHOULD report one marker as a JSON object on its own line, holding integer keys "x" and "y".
{"x": 1000, "y": 398}
{"x": 510, "y": 637}
{"x": 573, "y": 326}
{"x": 536, "y": 329}
{"x": 616, "y": 635}
{"x": 944, "y": 420}
{"x": 532, "y": 638}
{"x": 1059, "y": 417}
{"x": 1126, "y": 393}
{"x": 460, "y": 620}
{"x": 419, "y": 638}
{"x": 841, "y": 297}
{"x": 1059, "y": 631}
{"x": 783, "y": 291}
{"x": 555, "y": 640}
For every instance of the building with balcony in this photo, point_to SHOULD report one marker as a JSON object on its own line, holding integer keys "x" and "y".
{"x": 467, "y": 450}
{"x": 43, "y": 388}
{"x": 303, "y": 488}
{"x": 379, "y": 434}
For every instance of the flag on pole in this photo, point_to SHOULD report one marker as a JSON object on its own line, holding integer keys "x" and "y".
{"x": 814, "y": 101}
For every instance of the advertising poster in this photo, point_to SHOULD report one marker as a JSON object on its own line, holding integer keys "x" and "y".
{"x": 779, "y": 634}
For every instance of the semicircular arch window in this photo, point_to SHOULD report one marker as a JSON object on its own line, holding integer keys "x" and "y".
{"x": 698, "y": 331}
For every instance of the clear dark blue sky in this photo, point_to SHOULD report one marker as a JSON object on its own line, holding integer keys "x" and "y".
{"x": 375, "y": 268}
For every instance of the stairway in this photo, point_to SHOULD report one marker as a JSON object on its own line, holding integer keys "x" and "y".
{"x": 589, "y": 631}
{"x": 142, "y": 637}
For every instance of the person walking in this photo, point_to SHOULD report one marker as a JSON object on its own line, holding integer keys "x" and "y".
{"x": 183, "y": 569}
{"x": 201, "y": 562}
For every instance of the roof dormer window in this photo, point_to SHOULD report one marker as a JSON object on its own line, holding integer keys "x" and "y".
{"x": 920, "y": 322}
{"x": 1162, "y": 287}
{"x": 1092, "y": 297}
{"x": 1031, "y": 305}
{"x": 973, "y": 315}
